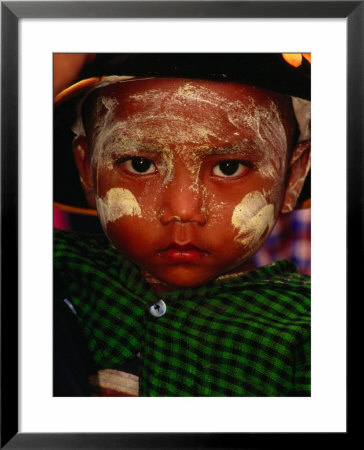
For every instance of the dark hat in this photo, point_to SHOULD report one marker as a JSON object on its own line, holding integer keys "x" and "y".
{"x": 267, "y": 70}
{"x": 271, "y": 71}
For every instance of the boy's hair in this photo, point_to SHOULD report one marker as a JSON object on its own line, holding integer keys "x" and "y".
{"x": 269, "y": 71}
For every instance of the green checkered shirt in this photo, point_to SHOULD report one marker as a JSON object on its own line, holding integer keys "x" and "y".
{"x": 243, "y": 336}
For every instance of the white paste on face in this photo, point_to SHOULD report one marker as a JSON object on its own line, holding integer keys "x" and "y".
{"x": 117, "y": 203}
{"x": 113, "y": 138}
{"x": 253, "y": 218}
{"x": 112, "y": 135}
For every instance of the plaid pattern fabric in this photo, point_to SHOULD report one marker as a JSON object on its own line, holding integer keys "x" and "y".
{"x": 244, "y": 336}
{"x": 290, "y": 239}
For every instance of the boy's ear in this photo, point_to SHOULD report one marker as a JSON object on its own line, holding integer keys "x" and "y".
{"x": 298, "y": 169}
{"x": 82, "y": 157}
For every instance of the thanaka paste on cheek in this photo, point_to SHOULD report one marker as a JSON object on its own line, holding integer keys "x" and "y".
{"x": 253, "y": 219}
{"x": 117, "y": 203}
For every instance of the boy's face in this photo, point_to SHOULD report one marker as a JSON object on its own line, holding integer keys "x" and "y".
{"x": 189, "y": 176}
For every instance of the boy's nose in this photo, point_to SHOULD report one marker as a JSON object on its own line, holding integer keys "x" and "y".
{"x": 182, "y": 202}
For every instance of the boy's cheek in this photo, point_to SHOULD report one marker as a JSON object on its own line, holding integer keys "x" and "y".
{"x": 252, "y": 221}
{"x": 117, "y": 203}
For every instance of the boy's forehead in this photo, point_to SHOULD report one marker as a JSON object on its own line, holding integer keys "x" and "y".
{"x": 205, "y": 115}
{"x": 188, "y": 100}
{"x": 187, "y": 116}
{"x": 191, "y": 90}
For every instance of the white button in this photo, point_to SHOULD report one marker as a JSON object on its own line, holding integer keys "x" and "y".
{"x": 158, "y": 309}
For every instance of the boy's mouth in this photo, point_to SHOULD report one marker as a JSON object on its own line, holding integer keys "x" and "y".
{"x": 187, "y": 253}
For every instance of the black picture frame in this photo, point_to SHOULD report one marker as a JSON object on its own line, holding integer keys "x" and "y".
{"x": 11, "y": 12}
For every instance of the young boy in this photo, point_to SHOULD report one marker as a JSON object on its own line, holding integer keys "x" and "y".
{"x": 189, "y": 175}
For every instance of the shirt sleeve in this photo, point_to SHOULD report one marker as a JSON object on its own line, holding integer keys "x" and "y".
{"x": 302, "y": 372}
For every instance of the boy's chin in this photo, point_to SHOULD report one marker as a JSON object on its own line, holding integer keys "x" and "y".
{"x": 179, "y": 278}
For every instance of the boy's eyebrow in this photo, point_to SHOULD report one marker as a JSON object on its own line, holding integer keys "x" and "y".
{"x": 246, "y": 148}
{"x": 148, "y": 147}
{"x": 126, "y": 145}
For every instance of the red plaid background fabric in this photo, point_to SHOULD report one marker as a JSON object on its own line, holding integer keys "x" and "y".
{"x": 290, "y": 239}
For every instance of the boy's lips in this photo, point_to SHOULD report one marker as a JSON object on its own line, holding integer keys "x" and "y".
{"x": 187, "y": 253}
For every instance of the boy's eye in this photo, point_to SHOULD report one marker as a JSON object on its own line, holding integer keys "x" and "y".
{"x": 139, "y": 165}
{"x": 229, "y": 168}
